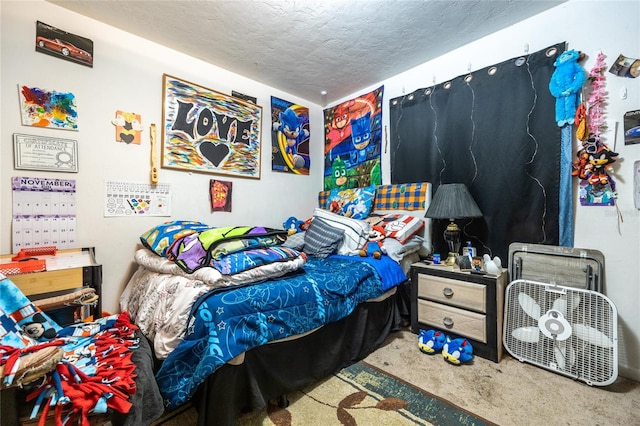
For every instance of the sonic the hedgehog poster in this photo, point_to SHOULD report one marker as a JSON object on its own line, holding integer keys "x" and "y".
{"x": 353, "y": 139}
{"x": 289, "y": 137}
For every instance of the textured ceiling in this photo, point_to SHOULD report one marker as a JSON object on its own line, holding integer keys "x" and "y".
{"x": 307, "y": 47}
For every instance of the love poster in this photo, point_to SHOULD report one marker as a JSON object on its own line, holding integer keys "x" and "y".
{"x": 207, "y": 131}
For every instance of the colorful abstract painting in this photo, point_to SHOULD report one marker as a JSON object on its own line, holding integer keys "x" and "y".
{"x": 207, "y": 131}
{"x": 353, "y": 141}
{"x": 128, "y": 127}
{"x": 44, "y": 108}
{"x": 289, "y": 137}
{"x": 220, "y": 194}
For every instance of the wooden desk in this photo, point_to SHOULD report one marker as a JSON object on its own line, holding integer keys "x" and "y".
{"x": 67, "y": 270}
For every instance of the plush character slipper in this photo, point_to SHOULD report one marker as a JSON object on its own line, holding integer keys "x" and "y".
{"x": 457, "y": 351}
{"x": 431, "y": 341}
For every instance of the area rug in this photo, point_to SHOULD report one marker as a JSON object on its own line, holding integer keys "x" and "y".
{"x": 362, "y": 395}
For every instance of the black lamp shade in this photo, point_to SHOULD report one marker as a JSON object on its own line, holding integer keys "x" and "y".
{"x": 453, "y": 201}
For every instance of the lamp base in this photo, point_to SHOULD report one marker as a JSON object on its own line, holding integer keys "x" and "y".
{"x": 452, "y": 259}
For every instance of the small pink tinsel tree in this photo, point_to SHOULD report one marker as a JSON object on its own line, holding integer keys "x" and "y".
{"x": 596, "y": 100}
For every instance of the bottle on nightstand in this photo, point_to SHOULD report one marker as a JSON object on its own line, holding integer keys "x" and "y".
{"x": 469, "y": 251}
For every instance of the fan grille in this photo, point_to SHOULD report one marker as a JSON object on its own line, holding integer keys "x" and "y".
{"x": 589, "y": 353}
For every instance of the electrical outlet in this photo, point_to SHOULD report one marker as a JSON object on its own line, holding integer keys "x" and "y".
{"x": 623, "y": 93}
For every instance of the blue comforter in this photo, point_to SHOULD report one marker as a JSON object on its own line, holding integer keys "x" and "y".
{"x": 224, "y": 324}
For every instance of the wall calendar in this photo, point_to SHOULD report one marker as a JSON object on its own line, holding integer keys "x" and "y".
{"x": 136, "y": 199}
{"x": 44, "y": 213}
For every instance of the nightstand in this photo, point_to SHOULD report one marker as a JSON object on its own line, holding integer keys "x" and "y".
{"x": 461, "y": 304}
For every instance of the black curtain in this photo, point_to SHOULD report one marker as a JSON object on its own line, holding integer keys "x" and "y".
{"x": 495, "y": 131}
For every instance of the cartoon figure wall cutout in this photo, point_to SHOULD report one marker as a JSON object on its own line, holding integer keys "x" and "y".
{"x": 128, "y": 127}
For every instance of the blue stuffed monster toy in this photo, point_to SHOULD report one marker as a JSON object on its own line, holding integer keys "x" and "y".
{"x": 565, "y": 85}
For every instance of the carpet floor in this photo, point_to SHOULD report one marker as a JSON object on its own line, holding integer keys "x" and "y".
{"x": 484, "y": 392}
{"x": 362, "y": 395}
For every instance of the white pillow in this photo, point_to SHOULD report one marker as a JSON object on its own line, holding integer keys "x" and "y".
{"x": 356, "y": 232}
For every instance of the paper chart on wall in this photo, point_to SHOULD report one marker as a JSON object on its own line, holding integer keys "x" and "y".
{"x": 136, "y": 199}
{"x": 44, "y": 213}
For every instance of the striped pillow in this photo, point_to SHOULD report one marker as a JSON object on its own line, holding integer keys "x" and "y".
{"x": 322, "y": 239}
{"x": 356, "y": 232}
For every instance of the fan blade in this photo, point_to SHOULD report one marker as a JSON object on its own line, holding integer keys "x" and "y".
{"x": 529, "y": 305}
{"x": 560, "y": 304}
{"x": 526, "y": 334}
{"x": 592, "y": 335}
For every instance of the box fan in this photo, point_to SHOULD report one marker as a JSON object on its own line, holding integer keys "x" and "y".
{"x": 570, "y": 331}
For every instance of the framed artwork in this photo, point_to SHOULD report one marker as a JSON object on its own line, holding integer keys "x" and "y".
{"x": 207, "y": 131}
{"x": 48, "y": 108}
{"x": 44, "y": 153}
{"x": 244, "y": 97}
{"x": 220, "y": 195}
{"x": 61, "y": 44}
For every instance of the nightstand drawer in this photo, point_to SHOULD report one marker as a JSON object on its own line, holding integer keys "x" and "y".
{"x": 459, "y": 321}
{"x": 456, "y": 293}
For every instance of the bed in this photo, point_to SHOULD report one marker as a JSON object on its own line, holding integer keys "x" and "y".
{"x": 235, "y": 325}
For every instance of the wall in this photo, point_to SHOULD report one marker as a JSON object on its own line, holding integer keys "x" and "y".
{"x": 127, "y": 75}
{"x": 588, "y": 26}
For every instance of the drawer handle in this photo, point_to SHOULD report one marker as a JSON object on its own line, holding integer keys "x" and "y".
{"x": 448, "y": 292}
{"x": 448, "y": 322}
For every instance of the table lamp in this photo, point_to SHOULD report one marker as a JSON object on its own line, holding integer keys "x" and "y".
{"x": 453, "y": 201}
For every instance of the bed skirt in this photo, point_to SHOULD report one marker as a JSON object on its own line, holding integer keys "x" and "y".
{"x": 273, "y": 370}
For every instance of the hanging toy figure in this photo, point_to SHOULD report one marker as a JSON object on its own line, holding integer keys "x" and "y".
{"x": 600, "y": 162}
{"x": 565, "y": 85}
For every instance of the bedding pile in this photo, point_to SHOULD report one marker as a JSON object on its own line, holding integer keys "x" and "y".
{"x": 184, "y": 260}
{"x": 160, "y": 294}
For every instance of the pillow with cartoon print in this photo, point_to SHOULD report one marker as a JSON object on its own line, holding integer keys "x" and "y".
{"x": 355, "y": 203}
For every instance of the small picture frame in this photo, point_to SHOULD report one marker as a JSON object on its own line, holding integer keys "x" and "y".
{"x": 477, "y": 265}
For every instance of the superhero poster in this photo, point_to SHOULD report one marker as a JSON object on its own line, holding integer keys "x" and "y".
{"x": 353, "y": 140}
{"x": 289, "y": 137}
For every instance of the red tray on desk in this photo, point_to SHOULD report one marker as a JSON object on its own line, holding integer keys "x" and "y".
{"x": 22, "y": 267}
